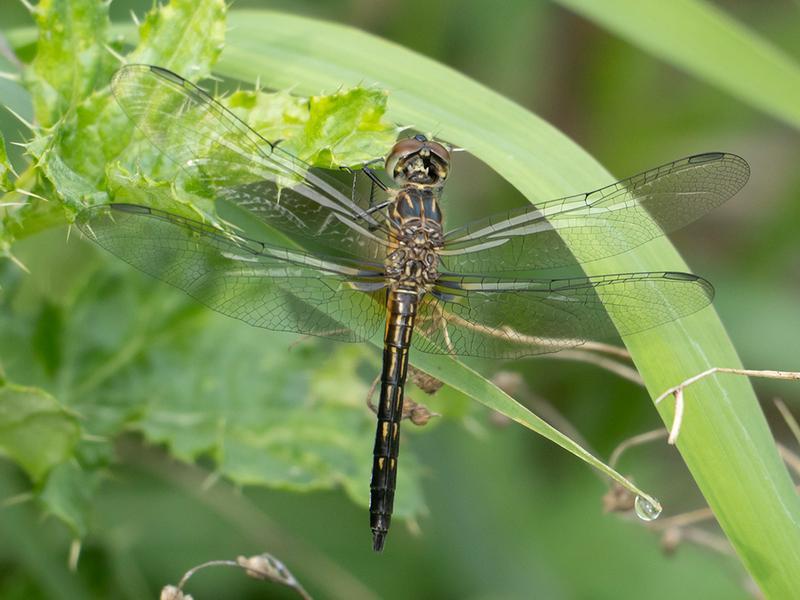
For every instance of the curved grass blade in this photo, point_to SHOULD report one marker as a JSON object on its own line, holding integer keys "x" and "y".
{"x": 725, "y": 441}
{"x": 702, "y": 40}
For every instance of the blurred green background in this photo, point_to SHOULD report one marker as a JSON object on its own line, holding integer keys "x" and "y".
{"x": 509, "y": 515}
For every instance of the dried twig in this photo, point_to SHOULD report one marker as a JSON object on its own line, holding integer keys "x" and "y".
{"x": 262, "y": 566}
{"x": 523, "y": 339}
{"x": 632, "y": 442}
{"x": 684, "y": 526}
{"x": 249, "y": 520}
{"x": 598, "y": 360}
{"x": 677, "y": 391}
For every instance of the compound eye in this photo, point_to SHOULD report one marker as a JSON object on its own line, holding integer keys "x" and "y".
{"x": 440, "y": 151}
{"x": 400, "y": 150}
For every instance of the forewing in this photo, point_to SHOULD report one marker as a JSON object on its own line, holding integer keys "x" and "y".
{"x": 509, "y": 318}
{"x": 219, "y": 152}
{"x": 598, "y": 224}
{"x": 264, "y": 286}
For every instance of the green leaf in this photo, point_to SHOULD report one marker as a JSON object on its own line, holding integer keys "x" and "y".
{"x": 701, "y": 39}
{"x": 725, "y": 441}
{"x": 307, "y": 429}
{"x": 185, "y": 36}
{"x": 344, "y": 129}
{"x": 68, "y": 495}
{"x": 71, "y": 58}
{"x": 276, "y": 116}
{"x": 136, "y": 355}
{"x": 347, "y": 128}
{"x": 33, "y": 216}
{"x": 35, "y": 430}
{"x": 75, "y": 184}
{"x": 47, "y": 340}
{"x": 73, "y": 155}
{"x": 95, "y": 150}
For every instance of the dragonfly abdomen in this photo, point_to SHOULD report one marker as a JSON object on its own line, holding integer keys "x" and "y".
{"x": 401, "y": 307}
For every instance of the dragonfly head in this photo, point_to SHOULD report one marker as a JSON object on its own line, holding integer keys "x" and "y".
{"x": 419, "y": 161}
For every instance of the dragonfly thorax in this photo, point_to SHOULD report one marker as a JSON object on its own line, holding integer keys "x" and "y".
{"x": 413, "y": 266}
{"x": 416, "y": 236}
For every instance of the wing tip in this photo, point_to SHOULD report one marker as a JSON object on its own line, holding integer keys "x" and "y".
{"x": 125, "y": 70}
{"x": 710, "y": 157}
{"x": 705, "y": 157}
{"x": 133, "y": 69}
{"x": 701, "y": 282}
{"x": 137, "y": 209}
{"x": 167, "y": 74}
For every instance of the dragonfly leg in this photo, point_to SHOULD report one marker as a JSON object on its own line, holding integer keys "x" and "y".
{"x": 371, "y": 393}
{"x": 374, "y": 182}
{"x": 377, "y": 207}
{"x": 416, "y": 412}
{"x": 374, "y": 178}
{"x": 350, "y": 171}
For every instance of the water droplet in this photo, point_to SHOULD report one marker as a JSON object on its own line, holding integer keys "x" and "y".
{"x": 646, "y": 510}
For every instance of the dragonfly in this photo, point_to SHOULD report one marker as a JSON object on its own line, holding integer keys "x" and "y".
{"x": 333, "y": 263}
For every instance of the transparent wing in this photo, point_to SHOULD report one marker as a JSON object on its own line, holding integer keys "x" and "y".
{"x": 598, "y": 224}
{"x": 508, "y": 318}
{"x": 219, "y": 151}
{"x": 265, "y": 286}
